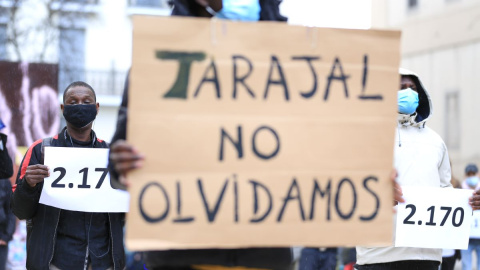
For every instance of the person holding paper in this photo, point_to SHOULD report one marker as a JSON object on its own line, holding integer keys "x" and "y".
{"x": 472, "y": 181}
{"x": 62, "y": 239}
{"x": 421, "y": 159}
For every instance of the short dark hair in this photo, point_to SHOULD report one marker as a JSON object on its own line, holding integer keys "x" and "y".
{"x": 471, "y": 168}
{"x": 78, "y": 83}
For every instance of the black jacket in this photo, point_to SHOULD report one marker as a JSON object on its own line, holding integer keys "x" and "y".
{"x": 7, "y": 218}
{"x": 41, "y": 238}
{"x": 6, "y": 166}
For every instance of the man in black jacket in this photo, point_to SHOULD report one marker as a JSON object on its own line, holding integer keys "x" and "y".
{"x": 62, "y": 239}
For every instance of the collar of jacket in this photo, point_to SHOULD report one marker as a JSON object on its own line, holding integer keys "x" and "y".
{"x": 64, "y": 139}
{"x": 409, "y": 120}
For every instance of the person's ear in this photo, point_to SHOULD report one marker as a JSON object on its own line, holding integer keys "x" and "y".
{"x": 61, "y": 107}
{"x": 98, "y": 107}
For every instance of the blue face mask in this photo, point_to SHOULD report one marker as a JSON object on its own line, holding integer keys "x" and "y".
{"x": 240, "y": 10}
{"x": 472, "y": 181}
{"x": 407, "y": 101}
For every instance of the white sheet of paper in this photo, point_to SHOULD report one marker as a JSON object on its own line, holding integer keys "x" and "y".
{"x": 75, "y": 174}
{"x": 434, "y": 218}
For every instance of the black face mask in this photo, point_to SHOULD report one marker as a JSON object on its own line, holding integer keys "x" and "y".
{"x": 80, "y": 115}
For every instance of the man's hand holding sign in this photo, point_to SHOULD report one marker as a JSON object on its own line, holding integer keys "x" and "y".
{"x": 36, "y": 173}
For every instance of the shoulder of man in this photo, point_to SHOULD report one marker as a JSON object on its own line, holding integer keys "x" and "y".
{"x": 101, "y": 143}
{"x": 46, "y": 142}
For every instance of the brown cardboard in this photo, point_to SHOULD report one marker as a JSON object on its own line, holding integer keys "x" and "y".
{"x": 343, "y": 144}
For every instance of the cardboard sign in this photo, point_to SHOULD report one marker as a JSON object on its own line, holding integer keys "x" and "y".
{"x": 79, "y": 181}
{"x": 260, "y": 134}
{"x": 434, "y": 217}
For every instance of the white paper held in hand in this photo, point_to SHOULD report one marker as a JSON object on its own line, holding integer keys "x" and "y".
{"x": 433, "y": 217}
{"x": 79, "y": 181}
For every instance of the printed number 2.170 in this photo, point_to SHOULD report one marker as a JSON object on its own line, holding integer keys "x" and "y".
{"x": 84, "y": 171}
{"x": 431, "y": 209}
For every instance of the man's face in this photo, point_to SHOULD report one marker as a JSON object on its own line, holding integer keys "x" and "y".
{"x": 407, "y": 82}
{"x": 79, "y": 95}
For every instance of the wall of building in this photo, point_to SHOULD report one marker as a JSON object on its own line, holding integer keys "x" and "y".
{"x": 441, "y": 42}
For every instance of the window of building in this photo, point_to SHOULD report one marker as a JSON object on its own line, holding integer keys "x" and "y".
{"x": 452, "y": 116}
{"x": 71, "y": 56}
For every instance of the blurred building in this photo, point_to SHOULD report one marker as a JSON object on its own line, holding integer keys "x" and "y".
{"x": 441, "y": 42}
{"x": 90, "y": 40}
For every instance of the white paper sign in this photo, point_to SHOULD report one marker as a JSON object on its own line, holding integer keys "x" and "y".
{"x": 79, "y": 181}
{"x": 434, "y": 218}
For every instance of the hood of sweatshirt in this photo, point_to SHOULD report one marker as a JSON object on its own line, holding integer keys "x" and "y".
{"x": 424, "y": 109}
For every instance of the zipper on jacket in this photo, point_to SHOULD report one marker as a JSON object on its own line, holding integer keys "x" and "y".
{"x": 111, "y": 239}
{"x": 55, "y": 237}
{"x": 85, "y": 264}
{"x": 399, "y": 137}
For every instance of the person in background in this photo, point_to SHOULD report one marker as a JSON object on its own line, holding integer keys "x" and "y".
{"x": 421, "y": 159}
{"x": 7, "y": 219}
{"x": 318, "y": 259}
{"x": 472, "y": 182}
{"x": 346, "y": 258}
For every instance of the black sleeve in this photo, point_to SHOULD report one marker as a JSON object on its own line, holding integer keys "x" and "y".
{"x": 25, "y": 199}
{"x": 120, "y": 133}
{"x": 7, "y": 234}
{"x": 185, "y": 8}
{"x": 6, "y": 165}
{"x": 270, "y": 11}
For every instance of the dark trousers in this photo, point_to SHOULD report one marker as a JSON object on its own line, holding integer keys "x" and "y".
{"x": 401, "y": 265}
{"x": 448, "y": 263}
{"x": 3, "y": 256}
{"x": 314, "y": 259}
